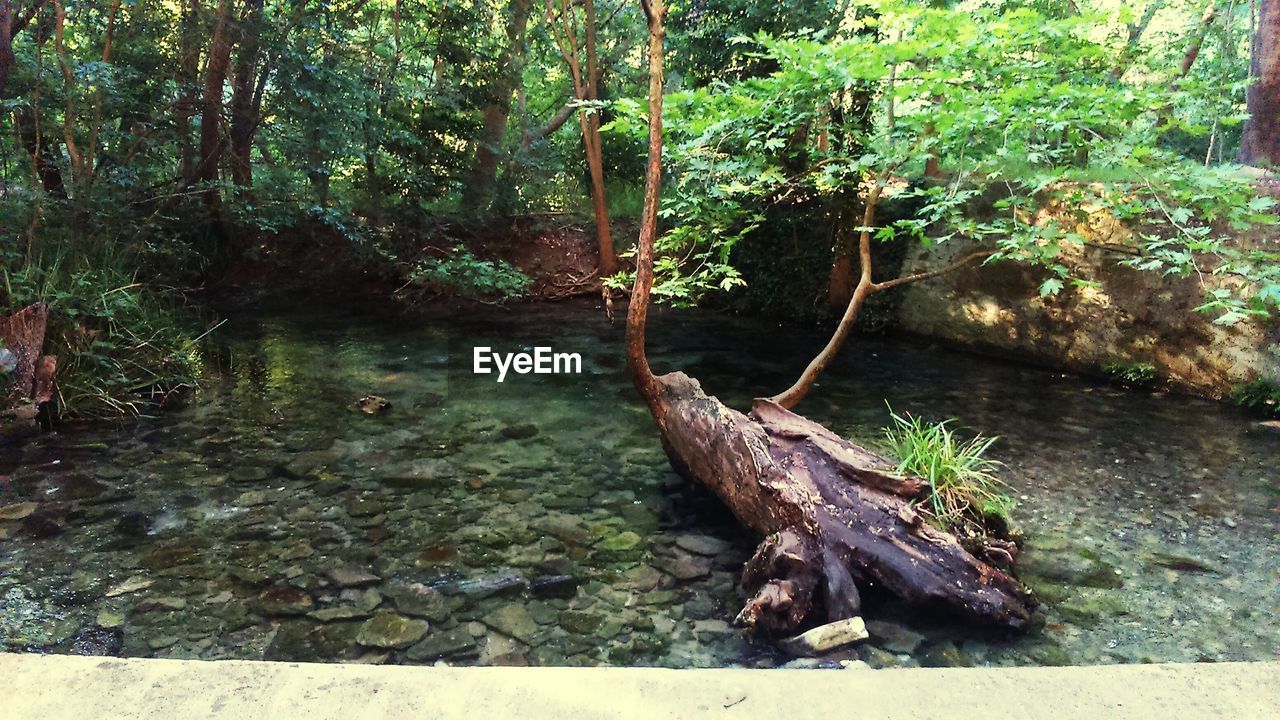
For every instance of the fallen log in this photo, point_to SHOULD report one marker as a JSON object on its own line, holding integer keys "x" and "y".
{"x": 834, "y": 516}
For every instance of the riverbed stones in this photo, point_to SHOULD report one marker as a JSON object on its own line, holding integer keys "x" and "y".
{"x": 945, "y": 655}
{"x": 685, "y": 567}
{"x": 426, "y": 473}
{"x": 418, "y": 600}
{"x": 249, "y": 474}
{"x": 554, "y": 586}
{"x": 1091, "y": 606}
{"x": 701, "y": 544}
{"x": 514, "y": 620}
{"x": 109, "y": 619}
{"x": 391, "y": 631}
{"x": 519, "y": 432}
{"x": 893, "y": 637}
{"x": 351, "y": 576}
{"x": 298, "y": 640}
{"x": 161, "y": 604}
{"x": 17, "y": 511}
{"x": 130, "y": 585}
{"x": 284, "y": 600}
{"x": 454, "y": 642}
{"x": 1080, "y": 567}
{"x": 341, "y": 612}
{"x": 1183, "y": 563}
{"x": 580, "y": 623}
{"x": 504, "y": 584}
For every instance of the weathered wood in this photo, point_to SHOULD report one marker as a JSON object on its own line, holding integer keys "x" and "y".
{"x": 834, "y": 514}
{"x": 23, "y": 334}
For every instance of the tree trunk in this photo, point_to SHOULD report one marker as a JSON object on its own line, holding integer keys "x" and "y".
{"x": 244, "y": 119}
{"x": 1261, "y": 142}
{"x": 6, "y": 43}
{"x": 43, "y": 152}
{"x": 832, "y": 513}
{"x": 595, "y": 156}
{"x": 188, "y": 72}
{"x": 484, "y": 166}
{"x": 215, "y": 76}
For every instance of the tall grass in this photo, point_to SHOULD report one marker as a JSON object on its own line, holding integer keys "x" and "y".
{"x": 963, "y": 488}
{"x": 124, "y": 346}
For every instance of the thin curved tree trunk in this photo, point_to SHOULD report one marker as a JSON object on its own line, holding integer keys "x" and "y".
{"x": 832, "y": 514}
{"x": 638, "y": 311}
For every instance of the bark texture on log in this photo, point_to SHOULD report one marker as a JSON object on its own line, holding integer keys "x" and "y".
{"x": 833, "y": 514}
{"x": 23, "y": 334}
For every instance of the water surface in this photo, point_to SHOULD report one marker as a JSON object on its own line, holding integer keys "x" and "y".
{"x": 537, "y": 522}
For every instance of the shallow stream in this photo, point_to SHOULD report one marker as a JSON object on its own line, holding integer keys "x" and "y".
{"x": 537, "y": 522}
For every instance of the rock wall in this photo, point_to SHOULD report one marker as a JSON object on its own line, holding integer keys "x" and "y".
{"x": 1129, "y": 318}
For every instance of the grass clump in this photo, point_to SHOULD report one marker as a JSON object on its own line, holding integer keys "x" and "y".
{"x": 965, "y": 496}
{"x": 1131, "y": 374}
{"x": 124, "y": 347}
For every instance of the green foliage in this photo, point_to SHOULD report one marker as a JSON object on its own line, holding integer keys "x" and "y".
{"x": 1260, "y": 395}
{"x": 461, "y": 274}
{"x": 1020, "y": 107}
{"x": 123, "y": 347}
{"x": 1134, "y": 374}
{"x": 963, "y": 488}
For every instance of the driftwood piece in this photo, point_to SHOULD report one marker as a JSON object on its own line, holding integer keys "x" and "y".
{"x": 832, "y": 513}
{"x": 23, "y": 335}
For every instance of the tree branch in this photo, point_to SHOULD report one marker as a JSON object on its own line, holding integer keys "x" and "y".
{"x": 917, "y": 277}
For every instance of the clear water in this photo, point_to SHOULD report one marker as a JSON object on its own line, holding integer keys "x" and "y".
{"x": 537, "y": 522}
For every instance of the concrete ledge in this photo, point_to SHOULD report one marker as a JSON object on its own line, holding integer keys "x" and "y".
{"x": 51, "y": 687}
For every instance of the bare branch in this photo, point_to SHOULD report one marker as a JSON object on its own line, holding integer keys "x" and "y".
{"x": 917, "y": 277}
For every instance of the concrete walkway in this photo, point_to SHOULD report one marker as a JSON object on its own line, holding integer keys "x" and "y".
{"x": 84, "y": 688}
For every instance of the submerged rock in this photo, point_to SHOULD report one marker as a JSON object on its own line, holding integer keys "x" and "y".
{"x": 555, "y": 586}
{"x": 18, "y": 511}
{"x": 131, "y": 585}
{"x": 513, "y": 619}
{"x": 1081, "y": 568}
{"x": 519, "y": 432}
{"x": 391, "y": 631}
{"x": 299, "y": 640}
{"x": 444, "y": 644}
{"x": 44, "y": 523}
{"x": 372, "y": 404}
{"x": 894, "y": 637}
{"x": 479, "y": 588}
{"x": 349, "y": 576}
{"x": 1183, "y": 563}
{"x": 418, "y": 600}
{"x": 687, "y": 567}
{"x": 580, "y": 623}
{"x": 702, "y": 544}
{"x": 333, "y": 614}
{"x": 945, "y": 654}
{"x": 284, "y": 600}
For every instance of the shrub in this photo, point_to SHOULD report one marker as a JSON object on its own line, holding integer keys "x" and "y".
{"x": 1258, "y": 395}
{"x": 460, "y": 273}
{"x": 964, "y": 492}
